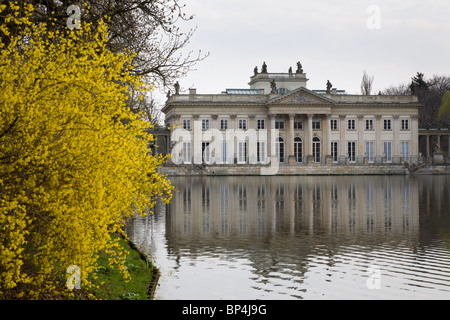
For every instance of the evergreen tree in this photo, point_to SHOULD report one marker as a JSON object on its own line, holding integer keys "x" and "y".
{"x": 418, "y": 84}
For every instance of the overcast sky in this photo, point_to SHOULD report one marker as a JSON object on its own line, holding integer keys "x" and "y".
{"x": 334, "y": 40}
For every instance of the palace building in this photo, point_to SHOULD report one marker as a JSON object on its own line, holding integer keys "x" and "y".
{"x": 278, "y": 120}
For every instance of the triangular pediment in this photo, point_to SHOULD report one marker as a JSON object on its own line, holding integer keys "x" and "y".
{"x": 300, "y": 96}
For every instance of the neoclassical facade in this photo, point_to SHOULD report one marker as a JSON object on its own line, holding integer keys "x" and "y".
{"x": 279, "y": 120}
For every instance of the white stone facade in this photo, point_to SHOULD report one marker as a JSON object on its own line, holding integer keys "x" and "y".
{"x": 291, "y": 125}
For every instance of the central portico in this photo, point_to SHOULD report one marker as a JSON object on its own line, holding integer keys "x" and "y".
{"x": 304, "y": 115}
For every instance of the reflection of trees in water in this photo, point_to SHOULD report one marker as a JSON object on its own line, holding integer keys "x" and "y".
{"x": 434, "y": 201}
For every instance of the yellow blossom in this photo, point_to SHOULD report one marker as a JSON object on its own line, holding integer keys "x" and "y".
{"x": 74, "y": 162}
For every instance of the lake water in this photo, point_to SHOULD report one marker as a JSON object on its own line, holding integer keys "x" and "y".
{"x": 307, "y": 237}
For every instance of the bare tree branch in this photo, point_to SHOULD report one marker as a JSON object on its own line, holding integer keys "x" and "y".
{"x": 149, "y": 28}
{"x": 366, "y": 84}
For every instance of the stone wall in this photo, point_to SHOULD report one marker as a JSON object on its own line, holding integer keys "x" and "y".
{"x": 440, "y": 169}
{"x": 319, "y": 169}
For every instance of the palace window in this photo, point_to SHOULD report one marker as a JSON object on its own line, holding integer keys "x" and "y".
{"x": 279, "y": 124}
{"x": 260, "y": 124}
{"x": 316, "y": 124}
{"x": 387, "y": 124}
{"x": 405, "y": 150}
{"x": 242, "y": 124}
{"x": 369, "y": 124}
{"x": 260, "y": 152}
{"x": 224, "y": 152}
{"x": 298, "y": 149}
{"x": 242, "y": 152}
{"x": 298, "y": 125}
{"x": 205, "y": 124}
{"x": 186, "y": 124}
{"x": 351, "y": 150}
{"x": 206, "y": 157}
{"x": 405, "y": 124}
{"x": 316, "y": 150}
{"x": 370, "y": 151}
{"x": 223, "y": 124}
{"x": 279, "y": 149}
{"x": 387, "y": 149}
{"x": 186, "y": 152}
{"x": 351, "y": 124}
{"x": 334, "y": 124}
{"x": 334, "y": 151}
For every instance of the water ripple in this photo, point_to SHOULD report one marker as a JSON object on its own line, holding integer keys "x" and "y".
{"x": 308, "y": 238}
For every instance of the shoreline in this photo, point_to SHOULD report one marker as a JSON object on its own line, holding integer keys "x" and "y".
{"x": 300, "y": 170}
{"x": 155, "y": 273}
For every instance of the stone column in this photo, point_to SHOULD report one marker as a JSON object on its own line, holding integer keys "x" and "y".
{"x": 378, "y": 142}
{"x": 214, "y": 147}
{"x": 310, "y": 135}
{"x": 251, "y": 140}
{"x": 232, "y": 154}
{"x": 414, "y": 136}
{"x": 290, "y": 147}
{"x": 428, "y": 145}
{"x": 324, "y": 140}
{"x": 328, "y": 134}
{"x": 175, "y": 157}
{"x": 214, "y": 122}
{"x": 273, "y": 136}
{"x": 197, "y": 139}
{"x": 396, "y": 144}
{"x": 233, "y": 122}
{"x": 342, "y": 147}
{"x": 360, "y": 128}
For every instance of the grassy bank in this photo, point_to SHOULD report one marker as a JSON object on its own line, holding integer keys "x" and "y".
{"x": 110, "y": 282}
{"x": 113, "y": 287}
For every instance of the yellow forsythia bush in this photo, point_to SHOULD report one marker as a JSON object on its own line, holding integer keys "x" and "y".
{"x": 74, "y": 162}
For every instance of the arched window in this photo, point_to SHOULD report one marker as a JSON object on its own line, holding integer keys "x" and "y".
{"x": 316, "y": 149}
{"x": 279, "y": 147}
{"x": 298, "y": 149}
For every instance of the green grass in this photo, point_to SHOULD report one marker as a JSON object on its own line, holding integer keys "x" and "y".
{"x": 115, "y": 287}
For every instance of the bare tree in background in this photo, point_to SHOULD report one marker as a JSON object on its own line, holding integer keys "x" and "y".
{"x": 149, "y": 28}
{"x": 147, "y": 106}
{"x": 398, "y": 90}
{"x": 366, "y": 84}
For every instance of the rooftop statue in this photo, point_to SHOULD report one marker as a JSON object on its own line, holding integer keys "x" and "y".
{"x": 177, "y": 88}
{"x": 329, "y": 85}
{"x": 299, "y": 68}
{"x": 273, "y": 86}
{"x": 255, "y": 71}
{"x": 264, "y": 68}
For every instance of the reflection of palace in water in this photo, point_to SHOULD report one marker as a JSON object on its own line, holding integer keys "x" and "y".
{"x": 226, "y": 207}
{"x": 300, "y": 236}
